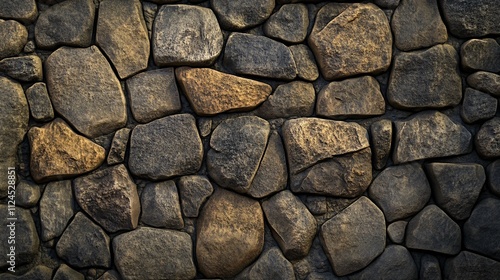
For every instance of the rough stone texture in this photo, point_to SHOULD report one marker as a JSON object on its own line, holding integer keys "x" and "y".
{"x": 364, "y": 52}
{"x": 39, "y": 272}
{"x": 381, "y": 142}
{"x": 305, "y": 63}
{"x": 85, "y": 91}
{"x": 39, "y": 102}
{"x": 166, "y": 147}
{"x": 478, "y": 106}
{"x": 27, "y": 194}
{"x": 389, "y": 4}
{"x": 487, "y": 139}
{"x": 149, "y": 10}
{"x": 471, "y": 19}
{"x": 481, "y": 54}
{"x": 425, "y": 79}
{"x": 65, "y": 272}
{"x": 482, "y": 229}
{"x": 110, "y": 275}
{"x": 468, "y": 265}
{"x": 429, "y": 135}
{"x": 56, "y": 209}
{"x": 237, "y": 146}
{"x": 429, "y": 268}
{"x": 354, "y": 237}
{"x": 396, "y": 231}
{"x": 485, "y": 81}
{"x": 14, "y": 35}
{"x": 57, "y": 152}
{"x": 118, "y": 146}
{"x": 23, "y": 68}
{"x": 230, "y": 233}
{"x": 149, "y": 253}
{"x": 270, "y": 265}
{"x": 24, "y": 11}
{"x": 84, "y": 244}
{"x": 194, "y": 190}
{"x": 432, "y": 230}
{"x": 160, "y": 205}
{"x": 356, "y": 97}
{"x": 211, "y": 92}
{"x": 493, "y": 171}
{"x": 237, "y": 15}
{"x": 186, "y": 35}
{"x": 248, "y": 54}
{"x": 288, "y": 24}
{"x": 456, "y": 186}
{"x": 153, "y": 94}
{"x": 292, "y": 99}
{"x": 68, "y": 23}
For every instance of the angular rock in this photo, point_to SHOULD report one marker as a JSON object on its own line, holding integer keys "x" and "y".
{"x": 69, "y": 23}
{"x": 153, "y": 95}
{"x": 429, "y": 268}
{"x": 270, "y": 265}
{"x": 110, "y": 275}
{"x": 389, "y": 4}
{"x": 368, "y": 49}
{"x": 471, "y": 19}
{"x": 429, "y": 135}
{"x": 65, "y": 272}
{"x": 381, "y": 137}
{"x": 356, "y": 97}
{"x": 165, "y": 148}
{"x": 186, "y": 35}
{"x": 487, "y": 139}
{"x": 39, "y": 272}
{"x": 56, "y": 209}
{"x": 118, "y": 146}
{"x": 478, "y": 106}
{"x": 237, "y": 147}
{"x": 57, "y": 152}
{"x": 288, "y": 24}
{"x": 354, "y": 237}
{"x": 396, "y": 231}
{"x": 160, "y": 205}
{"x": 194, "y": 190}
{"x": 85, "y": 91}
{"x": 23, "y": 68}
{"x": 468, "y": 265}
{"x": 425, "y": 79}
{"x": 485, "y": 81}
{"x": 432, "y": 230}
{"x": 482, "y": 229}
{"x": 24, "y": 11}
{"x": 14, "y": 35}
{"x": 292, "y": 99}
{"x": 493, "y": 171}
{"x": 481, "y": 54}
{"x": 27, "y": 194}
{"x": 305, "y": 63}
{"x": 237, "y": 15}
{"x": 39, "y": 102}
{"x": 230, "y": 234}
{"x": 141, "y": 254}
{"x": 211, "y": 92}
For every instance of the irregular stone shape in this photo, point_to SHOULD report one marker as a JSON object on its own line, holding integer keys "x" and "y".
{"x": 468, "y": 265}
{"x": 400, "y": 191}
{"x": 418, "y": 24}
{"x": 65, "y": 272}
{"x": 381, "y": 137}
{"x": 119, "y": 146}
{"x": 432, "y": 230}
{"x": 14, "y": 35}
{"x": 23, "y": 68}
{"x": 39, "y": 272}
{"x": 39, "y": 102}
{"x": 110, "y": 275}
{"x": 84, "y": 244}
{"x": 160, "y": 205}
{"x": 272, "y": 174}
{"x": 425, "y": 79}
{"x": 110, "y": 197}
{"x": 467, "y": 19}
{"x": 57, "y": 152}
{"x": 237, "y": 146}
{"x": 429, "y": 135}
{"x": 56, "y": 209}
{"x": 305, "y": 63}
{"x": 389, "y": 4}
{"x": 478, "y": 106}
{"x": 166, "y": 147}
{"x": 85, "y": 91}
{"x": 24, "y": 11}
{"x": 141, "y": 254}
{"x": 69, "y": 23}
{"x": 396, "y": 231}
{"x": 456, "y": 187}
{"x": 211, "y": 92}
{"x": 293, "y": 226}
{"x": 237, "y": 15}
{"x": 487, "y": 140}
{"x": 429, "y": 268}
{"x": 270, "y": 265}
{"x": 485, "y": 81}
{"x": 493, "y": 171}
{"x": 194, "y": 190}
{"x": 310, "y": 140}
{"x": 288, "y": 24}
{"x": 186, "y": 35}
{"x": 482, "y": 229}
{"x": 27, "y": 194}
{"x": 153, "y": 95}
{"x": 356, "y": 97}
{"x": 230, "y": 234}
{"x": 481, "y": 54}
{"x": 354, "y": 237}
{"x": 368, "y": 49}
{"x": 292, "y": 99}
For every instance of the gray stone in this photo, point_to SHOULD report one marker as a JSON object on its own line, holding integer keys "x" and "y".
{"x": 471, "y": 19}
{"x": 288, "y": 100}
{"x": 468, "y": 265}
{"x": 305, "y": 62}
{"x": 389, "y": 4}
{"x": 56, "y": 209}
{"x": 24, "y": 11}
{"x": 153, "y": 94}
{"x": 23, "y": 68}
{"x": 118, "y": 146}
{"x": 288, "y": 24}
{"x": 27, "y": 194}
{"x": 237, "y": 15}
{"x": 485, "y": 81}
{"x": 14, "y": 35}
{"x": 493, "y": 171}
{"x": 205, "y": 126}
{"x": 39, "y": 102}
{"x": 432, "y": 230}
{"x": 186, "y": 35}
{"x": 270, "y": 265}
{"x": 248, "y": 54}
{"x": 69, "y": 23}
{"x": 487, "y": 139}
{"x": 29, "y": 47}
{"x": 65, "y": 272}
{"x": 166, "y": 147}
{"x": 396, "y": 231}
{"x": 381, "y": 142}
{"x": 39, "y": 272}
{"x": 400, "y": 191}
{"x": 481, "y": 54}
{"x": 85, "y": 91}
{"x": 194, "y": 190}
{"x": 429, "y": 268}
{"x": 482, "y": 229}
{"x": 425, "y": 79}
{"x": 478, "y": 106}
{"x": 160, "y": 205}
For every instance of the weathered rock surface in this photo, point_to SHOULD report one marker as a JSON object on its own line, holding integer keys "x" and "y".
{"x": 161, "y": 206}
{"x": 24, "y": 11}
{"x": 65, "y": 272}
{"x": 119, "y": 146}
{"x": 56, "y": 209}
{"x": 429, "y": 268}
{"x": 478, "y": 106}
{"x": 39, "y": 272}
{"x": 194, "y": 190}
{"x": 389, "y": 4}
{"x": 487, "y": 140}
{"x": 482, "y": 229}
{"x": 23, "y": 68}
{"x": 493, "y": 171}
{"x": 305, "y": 63}
{"x": 237, "y": 15}
{"x": 14, "y": 35}
{"x": 27, "y": 194}
{"x": 110, "y": 275}
{"x": 467, "y": 19}
{"x": 481, "y": 54}
{"x": 468, "y": 265}
{"x": 381, "y": 142}
{"x": 288, "y": 24}
{"x": 39, "y": 102}
{"x": 396, "y": 231}
{"x": 485, "y": 81}
{"x": 270, "y": 265}
{"x": 292, "y": 99}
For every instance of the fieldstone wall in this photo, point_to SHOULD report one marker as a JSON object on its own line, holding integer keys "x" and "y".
{"x": 249, "y": 139}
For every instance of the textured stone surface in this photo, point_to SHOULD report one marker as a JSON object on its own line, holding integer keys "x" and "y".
{"x": 288, "y": 100}
{"x": 482, "y": 229}
{"x": 305, "y": 63}
{"x": 21, "y": 10}
{"x": 15, "y": 37}
{"x": 381, "y": 142}
{"x": 65, "y": 272}
{"x": 429, "y": 268}
{"x": 236, "y": 15}
{"x": 27, "y": 194}
{"x": 485, "y": 81}
{"x": 39, "y": 272}
{"x": 288, "y": 24}
{"x": 56, "y": 209}
{"x": 161, "y": 206}
{"x": 39, "y": 102}
{"x": 270, "y": 265}
{"x": 493, "y": 171}
{"x": 390, "y": 4}
{"x": 23, "y": 68}
{"x": 194, "y": 190}
{"x": 468, "y": 265}
{"x": 471, "y": 19}
{"x": 118, "y": 146}
{"x": 487, "y": 139}
{"x": 481, "y": 54}
{"x": 396, "y": 231}
{"x": 478, "y": 106}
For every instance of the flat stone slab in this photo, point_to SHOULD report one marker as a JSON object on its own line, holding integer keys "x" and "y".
{"x": 471, "y": 19}
{"x": 57, "y": 207}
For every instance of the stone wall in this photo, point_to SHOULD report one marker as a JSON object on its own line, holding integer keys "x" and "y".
{"x": 250, "y": 139}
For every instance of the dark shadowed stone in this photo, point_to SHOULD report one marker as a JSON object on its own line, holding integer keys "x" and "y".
{"x": 381, "y": 141}
{"x": 39, "y": 101}
{"x": 85, "y": 91}
{"x": 68, "y": 23}
{"x": 288, "y": 100}
{"x": 488, "y": 139}
{"x": 160, "y": 205}
{"x": 429, "y": 268}
{"x": 39, "y": 272}
{"x": 23, "y": 68}
{"x": 482, "y": 230}
{"x": 186, "y": 35}
{"x": 153, "y": 95}
{"x": 429, "y": 135}
{"x": 118, "y": 146}
{"x": 354, "y": 237}
{"x": 288, "y": 24}
{"x": 468, "y": 265}
{"x": 56, "y": 209}
{"x": 471, "y": 19}
{"x": 485, "y": 81}
{"x": 236, "y": 15}
{"x": 84, "y": 244}
{"x": 166, "y": 147}
{"x": 237, "y": 146}
{"x": 356, "y": 97}
{"x": 110, "y": 275}
{"x": 21, "y": 10}
{"x": 432, "y": 230}
{"x": 149, "y": 10}
{"x": 65, "y": 272}
{"x": 270, "y": 265}
{"x": 149, "y": 253}
{"x": 389, "y": 4}
{"x": 478, "y": 106}
{"x": 27, "y": 194}
{"x": 425, "y": 79}
{"x": 400, "y": 191}
{"x": 194, "y": 190}
{"x": 248, "y": 54}
{"x": 293, "y": 226}
{"x": 368, "y": 49}
{"x": 481, "y": 54}
{"x": 14, "y": 36}
{"x": 396, "y": 231}
{"x": 110, "y": 197}
{"x": 456, "y": 186}
{"x": 493, "y": 171}
{"x": 230, "y": 234}
{"x": 305, "y": 63}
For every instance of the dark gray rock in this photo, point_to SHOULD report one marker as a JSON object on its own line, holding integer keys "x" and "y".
{"x": 160, "y": 205}
{"x": 270, "y": 265}
{"x": 194, "y": 190}
{"x": 478, "y": 106}
{"x": 481, "y": 54}
{"x": 292, "y": 99}
{"x": 288, "y": 24}
{"x": 110, "y": 275}
{"x": 482, "y": 229}
{"x": 485, "y": 81}
{"x": 237, "y": 15}
{"x": 204, "y": 126}
{"x": 118, "y": 146}
{"x": 396, "y": 231}
{"x": 23, "y": 68}
{"x": 493, "y": 171}
{"x": 24, "y": 11}
{"x": 381, "y": 141}
{"x": 305, "y": 62}
{"x": 149, "y": 10}
{"x": 487, "y": 140}
{"x": 65, "y": 272}
{"x": 429, "y": 268}
{"x": 389, "y": 4}
{"x": 14, "y": 35}
{"x": 39, "y": 272}
{"x": 27, "y": 194}
{"x": 471, "y": 19}
{"x": 39, "y": 102}
{"x": 56, "y": 209}
{"x": 468, "y": 265}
